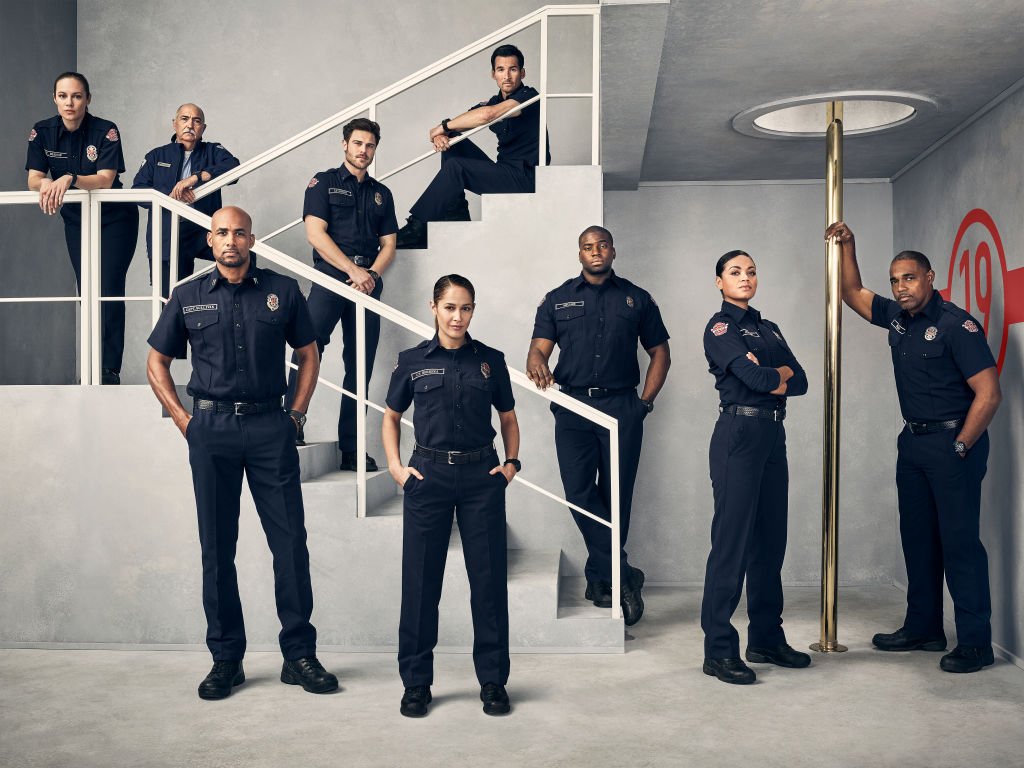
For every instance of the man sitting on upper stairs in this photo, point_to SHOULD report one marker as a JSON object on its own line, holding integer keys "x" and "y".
{"x": 465, "y": 166}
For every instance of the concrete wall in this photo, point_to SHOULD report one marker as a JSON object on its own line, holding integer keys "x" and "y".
{"x": 264, "y": 71}
{"x": 37, "y": 341}
{"x": 980, "y": 169}
{"x": 668, "y": 239}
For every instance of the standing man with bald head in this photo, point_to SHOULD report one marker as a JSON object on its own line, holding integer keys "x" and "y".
{"x": 177, "y": 169}
{"x": 237, "y": 321}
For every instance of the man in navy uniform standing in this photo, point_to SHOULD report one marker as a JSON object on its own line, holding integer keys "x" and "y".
{"x": 237, "y": 321}
{"x": 350, "y": 222}
{"x": 465, "y": 166}
{"x": 177, "y": 169}
{"x": 948, "y": 389}
{"x": 596, "y": 319}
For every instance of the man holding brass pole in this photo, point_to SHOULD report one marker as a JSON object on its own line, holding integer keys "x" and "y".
{"x": 948, "y": 389}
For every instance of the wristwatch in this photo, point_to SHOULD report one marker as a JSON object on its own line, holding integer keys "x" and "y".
{"x": 444, "y": 125}
{"x": 960, "y": 448}
{"x": 74, "y": 177}
{"x": 515, "y": 463}
{"x": 647, "y": 404}
{"x": 299, "y": 416}
{"x": 374, "y": 275}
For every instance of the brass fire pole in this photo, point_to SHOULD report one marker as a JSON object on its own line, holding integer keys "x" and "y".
{"x": 830, "y": 447}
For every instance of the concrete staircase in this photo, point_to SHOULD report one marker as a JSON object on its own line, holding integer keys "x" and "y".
{"x": 107, "y": 552}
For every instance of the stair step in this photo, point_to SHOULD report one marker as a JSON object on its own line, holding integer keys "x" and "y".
{"x": 339, "y": 489}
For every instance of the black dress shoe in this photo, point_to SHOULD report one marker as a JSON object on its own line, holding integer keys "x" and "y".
{"x": 599, "y": 593}
{"x": 111, "y": 376}
{"x": 224, "y": 676}
{"x": 967, "y": 658}
{"x": 348, "y": 462}
{"x": 901, "y": 640}
{"x": 310, "y": 674}
{"x": 413, "y": 234}
{"x": 732, "y": 671}
{"x": 495, "y": 699}
{"x": 415, "y": 701}
{"x": 779, "y": 655}
{"x": 632, "y": 600}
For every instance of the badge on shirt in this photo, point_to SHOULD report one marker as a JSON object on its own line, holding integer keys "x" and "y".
{"x": 378, "y": 198}
{"x": 719, "y": 328}
{"x": 91, "y": 153}
{"x": 931, "y": 333}
{"x": 629, "y": 301}
{"x": 273, "y": 302}
{"x": 971, "y": 326}
{"x": 485, "y": 369}
{"x": 112, "y": 135}
{"x": 312, "y": 183}
{"x": 32, "y": 134}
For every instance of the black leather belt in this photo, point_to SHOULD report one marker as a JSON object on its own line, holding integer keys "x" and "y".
{"x": 596, "y": 391}
{"x": 926, "y": 427}
{"x": 455, "y": 457}
{"x": 759, "y": 413}
{"x": 238, "y": 409}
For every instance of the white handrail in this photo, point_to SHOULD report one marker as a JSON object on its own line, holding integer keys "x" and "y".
{"x": 370, "y": 103}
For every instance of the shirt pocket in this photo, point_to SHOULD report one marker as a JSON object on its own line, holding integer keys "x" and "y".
{"x": 200, "y": 322}
{"x": 270, "y": 326}
{"x": 569, "y": 322}
{"x": 425, "y": 387}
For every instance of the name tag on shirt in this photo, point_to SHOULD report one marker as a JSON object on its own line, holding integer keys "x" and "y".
{"x": 52, "y": 153}
{"x": 337, "y": 191}
{"x": 565, "y": 304}
{"x": 164, "y": 165}
{"x": 748, "y": 332}
{"x": 199, "y": 308}
{"x": 426, "y": 372}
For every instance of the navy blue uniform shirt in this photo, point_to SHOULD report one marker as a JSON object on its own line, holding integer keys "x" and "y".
{"x": 453, "y": 390}
{"x": 95, "y": 146}
{"x": 596, "y": 328}
{"x": 237, "y": 333}
{"x": 729, "y": 335}
{"x": 161, "y": 170}
{"x": 518, "y": 137}
{"x": 357, "y": 213}
{"x": 933, "y": 354}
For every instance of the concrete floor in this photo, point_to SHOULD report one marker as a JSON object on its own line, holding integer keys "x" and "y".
{"x": 651, "y": 706}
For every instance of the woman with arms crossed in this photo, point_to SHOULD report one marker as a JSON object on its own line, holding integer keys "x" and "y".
{"x": 754, "y": 372}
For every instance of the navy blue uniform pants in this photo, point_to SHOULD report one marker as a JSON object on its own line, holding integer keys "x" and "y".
{"x": 478, "y": 502}
{"x": 584, "y": 462}
{"x": 940, "y": 511}
{"x": 118, "y": 235}
{"x": 750, "y": 481}
{"x": 222, "y": 447}
{"x": 466, "y": 166}
{"x": 327, "y": 309}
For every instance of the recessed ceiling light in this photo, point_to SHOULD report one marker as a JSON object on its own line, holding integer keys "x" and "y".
{"x": 864, "y": 113}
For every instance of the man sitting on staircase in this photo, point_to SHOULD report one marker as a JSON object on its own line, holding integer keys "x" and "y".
{"x": 465, "y": 166}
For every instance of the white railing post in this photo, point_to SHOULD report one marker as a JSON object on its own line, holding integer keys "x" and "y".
{"x": 613, "y": 450}
{"x": 542, "y": 137}
{"x": 172, "y": 266}
{"x": 156, "y": 220}
{"x": 85, "y": 292}
{"x": 595, "y": 99}
{"x": 360, "y": 410}
{"x": 95, "y": 257}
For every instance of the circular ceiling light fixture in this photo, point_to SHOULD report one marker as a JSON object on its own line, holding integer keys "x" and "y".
{"x": 864, "y": 113}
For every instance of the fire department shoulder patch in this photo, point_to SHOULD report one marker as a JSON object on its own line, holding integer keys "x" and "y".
{"x": 971, "y": 326}
{"x": 719, "y": 328}
{"x": 32, "y": 135}
{"x": 112, "y": 135}
{"x": 312, "y": 183}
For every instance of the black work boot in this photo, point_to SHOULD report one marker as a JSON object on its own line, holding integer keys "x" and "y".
{"x": 413, "y": 234}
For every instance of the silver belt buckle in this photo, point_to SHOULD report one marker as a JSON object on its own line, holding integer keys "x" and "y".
{"x": 775, "y": 415}
{"x": 237, "y": 412}
{"x": 450, "y": 454}
{"x": 590, "y": 391}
